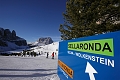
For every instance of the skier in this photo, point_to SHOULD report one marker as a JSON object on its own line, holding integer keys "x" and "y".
{"x": 47, "y": 55}
{"x": 53, "y": 55}
{"x": 22, "y": 53}
{"x": 39, "y": 53}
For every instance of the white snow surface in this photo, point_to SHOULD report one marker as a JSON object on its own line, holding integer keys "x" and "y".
{"x": 28, "y": 68}
{"x": 31, "y": 68}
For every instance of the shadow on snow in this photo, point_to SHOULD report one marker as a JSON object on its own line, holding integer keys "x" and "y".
{"x": 32, "y": 75}
{"x": 29, "y": 75}
{"x": 27, "y": 69}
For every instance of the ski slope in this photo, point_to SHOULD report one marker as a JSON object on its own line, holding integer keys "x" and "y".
{"x": 30, "y": 68}
{"x": 47, "y": 48}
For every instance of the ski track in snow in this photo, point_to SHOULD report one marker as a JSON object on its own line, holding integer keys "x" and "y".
{"x": 28, "y": 68}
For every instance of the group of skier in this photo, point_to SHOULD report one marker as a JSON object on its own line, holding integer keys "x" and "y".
{"x": 25, "y": 53}
{"x": 34, "y": 54}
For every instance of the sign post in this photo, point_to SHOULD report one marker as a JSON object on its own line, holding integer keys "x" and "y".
{"x": 90, "y": 58}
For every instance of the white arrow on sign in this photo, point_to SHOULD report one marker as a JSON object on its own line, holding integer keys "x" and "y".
{"x": 90, "y": 70}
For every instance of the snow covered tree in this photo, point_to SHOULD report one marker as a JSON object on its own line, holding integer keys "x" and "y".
{"x": 90, "y": 17}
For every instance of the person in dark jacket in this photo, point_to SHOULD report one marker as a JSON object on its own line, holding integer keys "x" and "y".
{"x": 47, "y": 55}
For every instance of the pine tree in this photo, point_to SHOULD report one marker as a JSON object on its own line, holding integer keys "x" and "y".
{"x": 90, "y": 17}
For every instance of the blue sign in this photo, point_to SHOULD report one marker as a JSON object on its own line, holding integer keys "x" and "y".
{"x": 90, "y": 58}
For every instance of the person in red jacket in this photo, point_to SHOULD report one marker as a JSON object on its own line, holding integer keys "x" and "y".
{"x": 53, "y": 55}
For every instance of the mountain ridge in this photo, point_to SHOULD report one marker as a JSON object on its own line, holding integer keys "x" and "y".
{"x": 9, "y": 40}
{"x": 42, "y": 41}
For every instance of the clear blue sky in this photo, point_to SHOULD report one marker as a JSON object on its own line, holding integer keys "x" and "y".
{"x": 32, "y": 19}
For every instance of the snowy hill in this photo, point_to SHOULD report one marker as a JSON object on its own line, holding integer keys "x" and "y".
{"x": 38, "y": 49}
{"x": 47, "y": 48}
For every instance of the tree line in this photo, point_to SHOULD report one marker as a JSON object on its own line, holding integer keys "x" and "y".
{"x": 90, "y": 17}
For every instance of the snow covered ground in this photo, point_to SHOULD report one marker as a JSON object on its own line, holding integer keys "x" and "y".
{"x": 28, "y": 68}
{"x": 31, "y": 68}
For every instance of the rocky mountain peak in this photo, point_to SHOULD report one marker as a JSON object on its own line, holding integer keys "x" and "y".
{"x": 1, "y": 32}
{"x": 13, "y": 34}
{"x": 45, "y": 40}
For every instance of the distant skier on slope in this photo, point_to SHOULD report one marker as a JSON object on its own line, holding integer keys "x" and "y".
{"x": 53, "y": 55}
{"x": 47, "y": 55}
